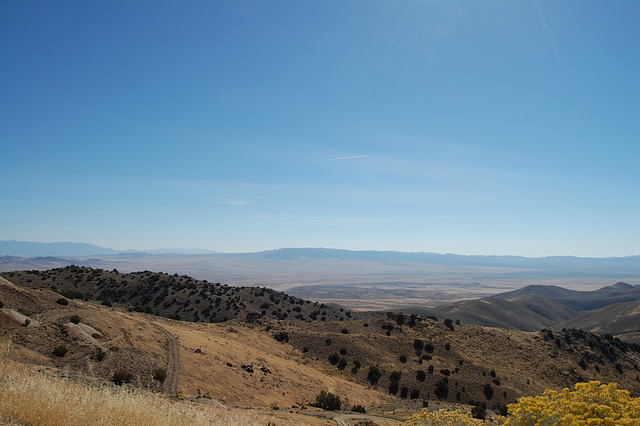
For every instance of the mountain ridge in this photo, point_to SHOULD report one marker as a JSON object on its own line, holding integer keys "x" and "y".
{"x": 65, "y": 248}
{"x": 60, "y": 249}
{"x": 614, "y": 309}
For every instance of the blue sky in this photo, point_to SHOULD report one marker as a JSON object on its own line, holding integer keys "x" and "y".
{"x": 470, "y": 127}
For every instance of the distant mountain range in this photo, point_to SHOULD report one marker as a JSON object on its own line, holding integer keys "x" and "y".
{"x": 420, "y": 282}
{"x": 570, "y": 263}
{"x": 62, "y": 249}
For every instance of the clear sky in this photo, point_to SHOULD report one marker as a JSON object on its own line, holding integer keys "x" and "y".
{"x": 470, "y": 127}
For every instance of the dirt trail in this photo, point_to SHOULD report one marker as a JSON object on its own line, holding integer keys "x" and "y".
{"x": 173, "y": 369}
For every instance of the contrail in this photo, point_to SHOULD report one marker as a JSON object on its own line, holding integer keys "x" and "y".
{"x": 340, "y": 158}
{"x": 323, "y": 160}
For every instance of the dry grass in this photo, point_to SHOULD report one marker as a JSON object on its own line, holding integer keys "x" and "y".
{"x": 30, "y": 397}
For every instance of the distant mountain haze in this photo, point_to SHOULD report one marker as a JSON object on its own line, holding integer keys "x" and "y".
{"x": 37, "y": 249}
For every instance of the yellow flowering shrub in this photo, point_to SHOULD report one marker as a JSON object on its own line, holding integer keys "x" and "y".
{"x": 443, "y": 418}
{"x": 590, "y": 403}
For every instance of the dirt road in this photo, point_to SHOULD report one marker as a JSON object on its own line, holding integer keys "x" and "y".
{"x": 173, "y": 367}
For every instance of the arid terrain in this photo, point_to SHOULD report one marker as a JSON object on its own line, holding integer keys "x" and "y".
{"x": 271, "y": 365}
{"x": 361, "y": 280}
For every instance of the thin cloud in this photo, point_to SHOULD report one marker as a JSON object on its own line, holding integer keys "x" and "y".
{"x": 341, "y": 158}
{"x": 234, "y": 202}
{"x": 324, "y": 160}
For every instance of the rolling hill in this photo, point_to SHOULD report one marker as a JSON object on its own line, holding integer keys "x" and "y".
{"x": 390, "y": 363}
{"x": 611, "y": 309}
{"x": 173, "y": 296}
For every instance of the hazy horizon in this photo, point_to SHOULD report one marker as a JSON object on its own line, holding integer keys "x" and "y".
{"x": 204, "y": 250}
{"x": 475, "y": 128}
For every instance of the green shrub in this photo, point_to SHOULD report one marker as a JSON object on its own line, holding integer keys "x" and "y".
{"x": 358, "y": 409}
{"x": 75, "y": 319}
{"x": 98, "y": 355}
{"x": 1, "y": 304}
{"x": 328, "y": 401}
{"x": 442, "y": 389}
{"x": 344, "y": 331}
{"x": 334, "y": 358}
{"x": 283, "y": 336}
{"x": 394, "y": 384}
{"x": 60, "y": 351}
{"x": 404, "y": 392}
{"x": 479, "y": 412}
{"x": 121, "y": 377}
{"x": 374, "y": 375}
{"x": 342, "y": 364}
{"x": 160, "y": 375}
{"x": 418, "y": 345}
{"x": 420, "y": 375}
{"x": 488, "y": 391}
{"x": 449, "y": 323}
{"x": 62, "y": 301}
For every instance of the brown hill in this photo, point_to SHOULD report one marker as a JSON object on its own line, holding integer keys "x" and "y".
{"x": 174, "y": 296}
{"x": 611, "y": 309}
{"x": 383, "y": 362}
{"x": 619, "y": 319}
{"x": 579, "y": 300}
{"x": 491, "y": 312}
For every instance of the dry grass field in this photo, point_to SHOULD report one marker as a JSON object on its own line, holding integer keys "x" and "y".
{"x": 34, "y": 396}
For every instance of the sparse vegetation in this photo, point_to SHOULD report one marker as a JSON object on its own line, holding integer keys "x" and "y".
{"x": 461, "y": 375}
{"x": 488, "y": 391}
{"x": 328, "y": 401}
{"x": 374, "y": 374}
{"x": 60, "y": 351}
{"x": 334, "y": 358}
{"x": 160, "y": 375}
{"x": 30, "y": 397}
{"x": 442, "y": 388}
{"x": 449, "y": 323}
{"x": 394, "y": 382}
{"x": 358, "y": 409}
{"x": 121, "y": 377}
{"x": 98, "y": 355}
{"x": 282, "y": 337}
